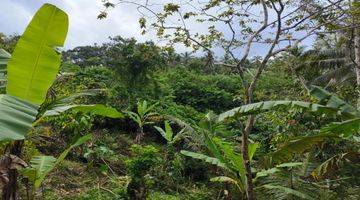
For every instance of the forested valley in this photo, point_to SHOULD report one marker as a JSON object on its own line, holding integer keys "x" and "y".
{"x": 126, "y": 119}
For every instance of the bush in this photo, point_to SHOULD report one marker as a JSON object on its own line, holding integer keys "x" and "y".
{"x": 203, "y": 92}
{"x": 139, "y": 167}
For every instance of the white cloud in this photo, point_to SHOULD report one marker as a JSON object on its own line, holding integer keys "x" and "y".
{"x": 13, "y": 17}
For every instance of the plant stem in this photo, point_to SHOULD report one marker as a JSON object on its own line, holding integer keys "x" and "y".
{"x": 9, "y": 191}
{"x": 245, "y": 154}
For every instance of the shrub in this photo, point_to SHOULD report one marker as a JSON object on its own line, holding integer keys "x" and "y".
{"x": 139, "y": 166}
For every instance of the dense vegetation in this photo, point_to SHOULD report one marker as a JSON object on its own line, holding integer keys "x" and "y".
{"x": 130, "y": 120}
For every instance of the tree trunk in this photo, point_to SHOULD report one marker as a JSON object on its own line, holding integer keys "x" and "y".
{"x": 139, "y": 135}
{"x": 9, "y": 191}
{"x": 357, "y": 62}
{"x": 245, "y": 154}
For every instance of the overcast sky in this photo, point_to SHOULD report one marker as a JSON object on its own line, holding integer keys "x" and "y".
{"x": 85, "y": 28}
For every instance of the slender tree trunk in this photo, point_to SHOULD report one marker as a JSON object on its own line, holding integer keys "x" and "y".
{"x": 245, "y": 154}
{"x": 357, "y": 62}
{"x": 139, "y": 135}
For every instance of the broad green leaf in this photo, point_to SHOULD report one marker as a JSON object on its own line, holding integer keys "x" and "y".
{"x": 252, "y": 149}
{"x": 291, "y": 164}
{"x": 203, "y": 157}
{"x": 161, "y": 131}
{"x": 276, "y": 169}
{"x": 266, "y": 172}
{"x": 266, "y": 106}
{"x": 134, "y": 116}
{"x": 330, "y": 100}
{"x": 100, "y": 110}
{"x": 345, "y": 128}
{"x": 97, "y": 109}
{"x": 168, "y": 131}
{"x": 34, "y": 63}
{"x": 42, "y": 165}
{"x": 214, "y": 149}
{"x": 81, "y": 140}
{"x": 77, "y": 143}
{"x": 60, "y": 103}
{"x": 16, "y": 117}
{"x": 223, "y": 179}
{"x": 233, "y": 160}
{"x": 299, "y": 145}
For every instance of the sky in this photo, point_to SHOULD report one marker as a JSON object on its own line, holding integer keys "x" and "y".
{"x": 85, "y": 28}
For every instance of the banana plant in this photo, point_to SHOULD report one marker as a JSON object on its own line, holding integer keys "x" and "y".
{"x": 144, "y": 112}
{"x": 31, "y": 71}
{"x": 168, "y": 133}
{"x": 41, "y": 166}
{"x": 223, "y": 155}
{"x": 171, "y": 139}
{"x": 226, "y": 158}
{"x": 329, "y": 104}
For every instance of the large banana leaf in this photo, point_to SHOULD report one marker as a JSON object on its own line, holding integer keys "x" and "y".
{"x": 97, "y": 109}
{"x": 298, "y": 146}
{"x": 329, "y": 104}
{"x": 332, "y": 101}
{"x": 34, "y": 63}
{"x": 265, "y": 106}
{"x": 205, "y": 158}
{"x": 16, "y": 117}
{"x": 346, "y": 128}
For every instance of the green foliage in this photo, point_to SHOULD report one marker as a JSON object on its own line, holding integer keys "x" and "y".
{"x": 273, "y": 105}
{"x": 144, "y": 158}
{"x": 286, "y": 190}
{"x": 42, "y": 165}
{"x": 203, "y": 92}
{"x": 143, "y": 113}
{"x": 98, "y": 109}
{"x": 331, "y": 100}
{"x": 168, "y": 133}
{"x": 139, "y": 167}
{"x": 305, "y": 149}
{"x": 211, "y": 160}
